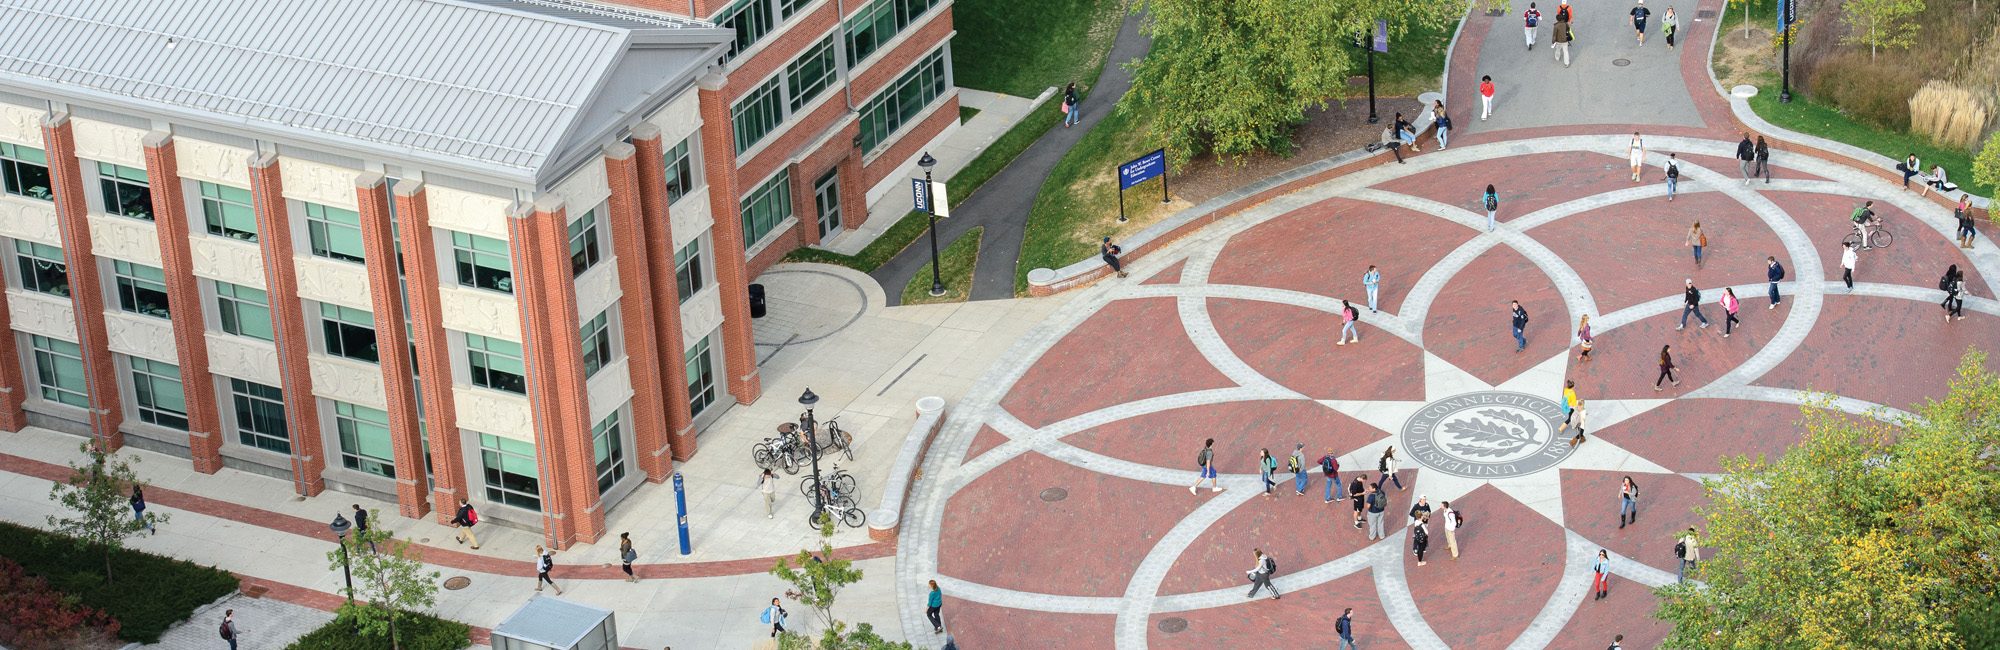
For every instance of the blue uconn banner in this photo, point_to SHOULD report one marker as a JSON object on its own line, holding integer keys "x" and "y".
{"x": 1143, "y": 169}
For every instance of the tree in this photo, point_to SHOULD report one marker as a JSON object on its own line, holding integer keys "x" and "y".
{"x": 388, "y": 583}
{"x": 838, "y": 638}
{"x": 817, "y": 579}
{"x": 96, "y": 496}
{"x": 1881, "y": 23}
{"x": 1236, "y": 76}
{"x": 1863, "y": 535}
{"x": 1986, "y": 167}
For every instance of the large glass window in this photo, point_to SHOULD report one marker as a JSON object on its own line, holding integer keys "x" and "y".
{"x": 872, "y": 28}
{"x": 141, "y": 289}
{"x": 903, "y": 101}
{"x": 42, "y": 268}
{"x": 751, "y": 19}
{"x": 788, "y": 7}
{"x": 597, "y": 343}
{"x": 758, "y": 113}
{"x": 583, "y": 252}
{"x": 482, "y": 262}
{"x": 687, "y": 269}
{"x": 245, "y": 311}
{"x": 260, "y": 416}
{"x": 126, "y": 191}
{"x": 59, "y": 371}
{"x": 700, "y": 378}
{"x": 811, "y": 74}
{"x": 606, "y": 438}
{"x": 156, "y": 386}
{"x": 365, "y": 443}
{"x": 349, "y": 332}
{"x": 335, "y": 233}
{"x": 24, "y": 171}
{"x": 680, "y": 170}
{"x": 496, "y": 364}
{"x": 767, "y": 207}
{"x": 511, "y": 474}
{"x": 228, "y": 212}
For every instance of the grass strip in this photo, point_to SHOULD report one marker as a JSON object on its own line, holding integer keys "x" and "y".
{"x": 1805, "y": 116}
{"x": 958, "y": 260}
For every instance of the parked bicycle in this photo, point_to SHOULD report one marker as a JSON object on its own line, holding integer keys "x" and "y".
{"x": 787, "y": 451}
{"x": 838, "y": 438}
{"x": 837, "y": 506}
{"x": 838, "y": 478}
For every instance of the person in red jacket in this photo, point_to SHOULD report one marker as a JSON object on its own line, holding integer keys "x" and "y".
{"x": 1486, "y": 97}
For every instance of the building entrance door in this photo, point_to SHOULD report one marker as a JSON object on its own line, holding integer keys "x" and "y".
{"x": 826, "y": 196}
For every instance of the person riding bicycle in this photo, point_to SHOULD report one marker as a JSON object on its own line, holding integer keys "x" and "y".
{"x": 1865, "y": 221}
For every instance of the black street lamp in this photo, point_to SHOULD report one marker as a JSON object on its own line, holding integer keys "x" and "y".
{"x": 1785, "y": 16}
{"x": 1367, "y": 43}
{"x": 806, "y": 424}
{"x": 930, "y": 197}
{"x": 340, "y": 528}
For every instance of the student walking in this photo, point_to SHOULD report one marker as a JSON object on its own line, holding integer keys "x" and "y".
{"x": 1847, "y": 260}
{"x": 1372, "y": 281}
{"x": 545, "y": 561}
{"x": 775, "y": 617}
{"x": 768, "y": 484}
{"x": 1071, "y": 113}
{"x": 1673, "y": 174}
{"x": 1639, "y": 15}
{"x": 1441, "y": 123}
{"x": 1299, "y": 475}
{"x": 1561, "y": 36}
{"x": 1691, "y": 304}
{"x": 1206, "y": 462}
{"x": 1600, "y": 580}
{"x": 1267, "y": 466}
{"x": 138, "y": 500}
{"x": 1763, "y": 153}
{"x": 1963, "y": 213}
{"x": 1668, "y": 24}
{"x": 627, "y": 555}
{"x": 1260, "y": 575}
{"x": 1485, "y": 97}
{"x": 1388, "y": 466}
{"x": 1628, "y": 502}
{"x": 1451, "y": 524}
{"x": 1348, "y": 317}
{"x": 1617, "y": 643}
{"x": 1357, "y": 492}
{"x": 1584, "y": 339}
{"x": 1697, "y": 240}
{"x": 1563, "y": 12}
{"x": 1492, "y": 202}
{"x": 1420, "y": 538}
{"x": 1635, "y": 152}
{"x": 1109, "y": 252}
{"x": 1688, "y": 550}
{"x": 1377, "y": 503}
{"x": 228, "y": 629}
{"x": 1746, "y": 154}
{"x": 1344, "y": 628}
{"x": 1953, "y": 284}
{"x": 934, "y": 609}
{"x": 1533, "y": 17}
{"x": 1569, "y": 401}
{"x": 1729, "y": 307}
{"x": 1520, "y": 321}
{"x": 1666, "y": 368}
{"x": 464, "y": 520}
{"x": 1330, "y": 467}
{"x": 1775, "y": 273}
{"x": 1576, "y": 419}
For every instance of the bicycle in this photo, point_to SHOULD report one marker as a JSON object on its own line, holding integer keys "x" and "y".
{"x": 782, "y": 452}
{"x": 837, "y": 506}
{"x": 1877, "y": 238}
{"x": 838, "y": 478}
{"x": 838, "y": 438}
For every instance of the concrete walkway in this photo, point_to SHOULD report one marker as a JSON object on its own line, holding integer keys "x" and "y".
{"x": 1002, "y": 204}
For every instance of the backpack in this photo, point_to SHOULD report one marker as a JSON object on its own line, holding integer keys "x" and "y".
{"x": 1534, "y": 17}
{"x": 1673, "y": 170}
{"x": 1382, "y": 465}
{"x": 1458, "y": 515}
{"x": 1353, "y": 314}
{"x": 226, "y": 632}
{"x": 1270, "y": 566}
{"x": 1944, "y": 283}
{"x": 1492, "y": 202}
{"x": 1292, "y": 463}
{"x": 1681, "y": 550}
{"x": 1326, "y": 465}
{"x": 1201, "y": 458}
{"x": 629, "y": 556}
{"x": 471, "y": 515}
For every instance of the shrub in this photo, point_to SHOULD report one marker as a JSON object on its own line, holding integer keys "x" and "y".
{"x": 417, "y": 631}
{"x": 1986, "y": 167}
{"x": 34, "y": 616}
{"x": 1873, "y": 92}
{"x": 153, "y": 592}
{"x": 1949, "y": 114}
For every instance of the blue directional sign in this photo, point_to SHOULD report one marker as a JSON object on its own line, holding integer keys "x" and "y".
{"x": 1143, "y": 169}
{"x": 920, "y": 192}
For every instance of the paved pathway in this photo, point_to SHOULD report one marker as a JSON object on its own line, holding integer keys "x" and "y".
{"x": 1002, "y": 204}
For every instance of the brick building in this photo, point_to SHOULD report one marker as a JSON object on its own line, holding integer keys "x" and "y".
{"x": 429, "y": 249}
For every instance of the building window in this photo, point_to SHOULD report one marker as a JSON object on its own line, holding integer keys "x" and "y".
{"x": 687, "y": 269}
{"x": 42, "y": 268}
{"x": 482, "y": 262}
{"x": 496, "y": 364}
{"x": 767, "y": 207}
{"x": 751, "y": 19}
{"x": 610, "y": 446}
{"x": 893, "y": 108}
{"x": 788, "y": 7}
{"x": 597, "y": 343}
{"x": 364, "y": 439}
{"x": 583, "y": 252}
{"x": 335, "y": 233}
{"x": 511, "y": 476}
{"x": 228, "y": 211}
{"x": 126, "y": 191}
{"x": 875, "y": 25}
{"x": 700, "y": 378}
{"x": 260, "y": 416}
{"x": 156, "y": 386}
{"x": 59, "y": 370}
{"x": 758, "y": 113}
{"x": 24, "y": 171}
{"x": 811, "y": 74}
{"x": 245, "y": 311}
{"x": 680, "y": 170}
{"x": 349, "y": 332}
{"x": 141, "y": 289}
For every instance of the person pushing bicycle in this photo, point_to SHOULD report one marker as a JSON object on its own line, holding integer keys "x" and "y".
{"x": 1865, "y": 221}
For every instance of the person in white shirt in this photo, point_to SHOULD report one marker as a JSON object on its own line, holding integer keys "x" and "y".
{"x": 1260, "y": 576}
{"x": 768, "y": 484}
{"x": 1450, "y": 528}
{"x": 1576, "y": 414}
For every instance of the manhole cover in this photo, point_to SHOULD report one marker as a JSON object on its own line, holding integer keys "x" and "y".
{"x": 456, "y": 583}
{"x": 1704, "y": 14}
{"x": 1054, "y": 494}
{"x": 1621, "y": 62}
{"x": 1174, "y": 625}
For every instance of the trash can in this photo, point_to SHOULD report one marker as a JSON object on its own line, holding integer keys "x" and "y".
{"x": 757, "y": 301}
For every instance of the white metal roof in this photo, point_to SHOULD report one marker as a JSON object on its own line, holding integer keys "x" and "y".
{"x": 510, "y": 88}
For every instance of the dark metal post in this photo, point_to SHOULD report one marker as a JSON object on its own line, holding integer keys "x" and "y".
{"x": 681, "y": 504}
{"x": 1163, "y": 183}
{"x": 1369, "y": 43}
{"x": 339, "y": 526}
{"x": 937, "y": 278}
{"x": 1785, "y": 85}
{"x": 812, "y": 439}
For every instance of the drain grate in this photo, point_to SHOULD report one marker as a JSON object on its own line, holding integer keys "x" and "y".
{"x": 1621, "y": 62}
{"x": 456, "y": 583}
{"x": 1704, "y": 14}
{"x": 1053, "y": 495}
{"x": 1173, "y": 625}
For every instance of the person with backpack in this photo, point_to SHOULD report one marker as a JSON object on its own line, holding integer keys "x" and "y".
{"x": 1372, "y": 282}
{"x": 1260, "y": 575}
{"x": 626, "y": 555}
{"x": 1763, "y": 153}
{"x": 1600, "y": 580}
{"x": 1697, "y": 240}
{"x": 1356, "y": 491}
{"x": 1387, "y": 464}
{"x": 1691, "y": 304}
{"x": 1071, "y": 114}
{"x": 545, "y": 561}
{"x": 1267, "y": 466}
{"x": 1451, "y": 523}
{"x": 1673, "y": 174}
{"x": 1729, "y": 307}
{"x": 1298, "y": 466}
{"x": 1635, "y": 153}
{"x": 1865, "y": 221}
{"x": 228, "y": 630}
{"x": 1440, "y": 123}
{"x": 1520, "y": 320}
{"x": 1746, "y": 155}
{"x": 1775, "y": 273}
{"x": 1377, "y": 503}
{"x": 464, "y": 520}
{"x": 1206, "y": 462}
{"x": 1666, "y": 368}
{"x": 1639, "y": 15}
{"x": 1533, "y": 17}
{"x": 1343, "y": 627}
{"x": 138, "y": 502}
{"x": 1491, "y": 200}
{"x": 1963, "y": 213}
{"x": 1348, "y": 317}
{"x": 1562, "y": 35}
{"x": 1576, "y": 417}
{"x": 1628, "y": 502}
{"x": 1688, "y": 550}
{"x": 1420, "y": 538}
{"x": 1330, "y": 467}
{"x": 774, "y": 616}
{"x": 1953, "y": 286}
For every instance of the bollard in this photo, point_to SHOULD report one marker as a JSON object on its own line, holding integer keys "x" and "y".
{"x": 681, "y": 504}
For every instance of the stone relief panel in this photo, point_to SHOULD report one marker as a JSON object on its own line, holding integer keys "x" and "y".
{"x": 609, "y": 389}
{"x": 679, "y": 119}
{"x": 353, "y": 382}
{"x": 126, "y": 239}
{"x": 244, "y": 358}
{"x": 584, "y": 189}
{"x": 690, "y": 217}
{"x": 202, "y": 160}
{"x": 340, "y": 283}
{"x": 141, "y": 336}
{"x": 37, "y": 313}
{"x": 480, "y": 312}
{"x": 29, "y": 219}
{"x": 109, "y": 143}
{"x": 22, "y": 125}
{"x": 468, "y": 212}
{"x": 501, "y": 414}
{"x": 597, "y": 290}
{"x": 700, "y": 315}
{"x": 306, "y": 180}
{"x": 228, "y": 260}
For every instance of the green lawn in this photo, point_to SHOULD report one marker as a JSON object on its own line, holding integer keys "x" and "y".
{"x": 1079, "y": 203}
{"x": 1020, "y": 47}
{"x": 1412, "y": 66}
{"x": 1804, "y": 116}
{"x": 150, "y": 593}
{"x": 958, "y": 259}
{"x": 415, "y": 631}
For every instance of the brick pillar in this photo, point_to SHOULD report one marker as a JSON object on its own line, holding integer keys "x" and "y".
{"x": 184, "y": 293}
{"x": 13, "y": 382}
{"x": 853, "y": 183}
{"x": 86, "y": 288}
{"x": 392, "y": 344}
{"x": 657, "y": 227}
{"x": 805, "y": 205}
{"x": 433, "y": 362}
{"x": 635, "y": 310}
{"x": 552, "y": 345}
{"x": 288, "y": 324}
{"x": 718, "y": 146}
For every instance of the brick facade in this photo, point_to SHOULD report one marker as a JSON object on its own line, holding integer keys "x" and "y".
{"x": 448, "y": 479}
{"x": 184, "y": 294}
{"x": 392, "y": 343}
{"x": 85, "y": 283}
{"x": 288, "y": 324}
{"x": 12, "y": 416}
{"x": 657, "y": 227}
{"x": 552, "y": 346}
{"x": 635, "y": 308}
{"x": 717, "y": 140}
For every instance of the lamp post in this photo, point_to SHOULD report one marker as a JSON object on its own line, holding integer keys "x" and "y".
{"x": 806, "y": 424}
{"x": 1785, "y": 15}
{"x": 340, "y": 528}
{"x": 1367, "y": 44}
{"x": 937, "y": 280}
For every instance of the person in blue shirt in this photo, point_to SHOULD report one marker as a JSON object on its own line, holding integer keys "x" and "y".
{"x": 1372, "y": 280}
{"x": 1345, "y": 628}
{"x": 936, "y": 604}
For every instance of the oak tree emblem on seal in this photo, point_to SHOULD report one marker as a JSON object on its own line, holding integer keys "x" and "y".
{"x": 1486, "y": 434}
